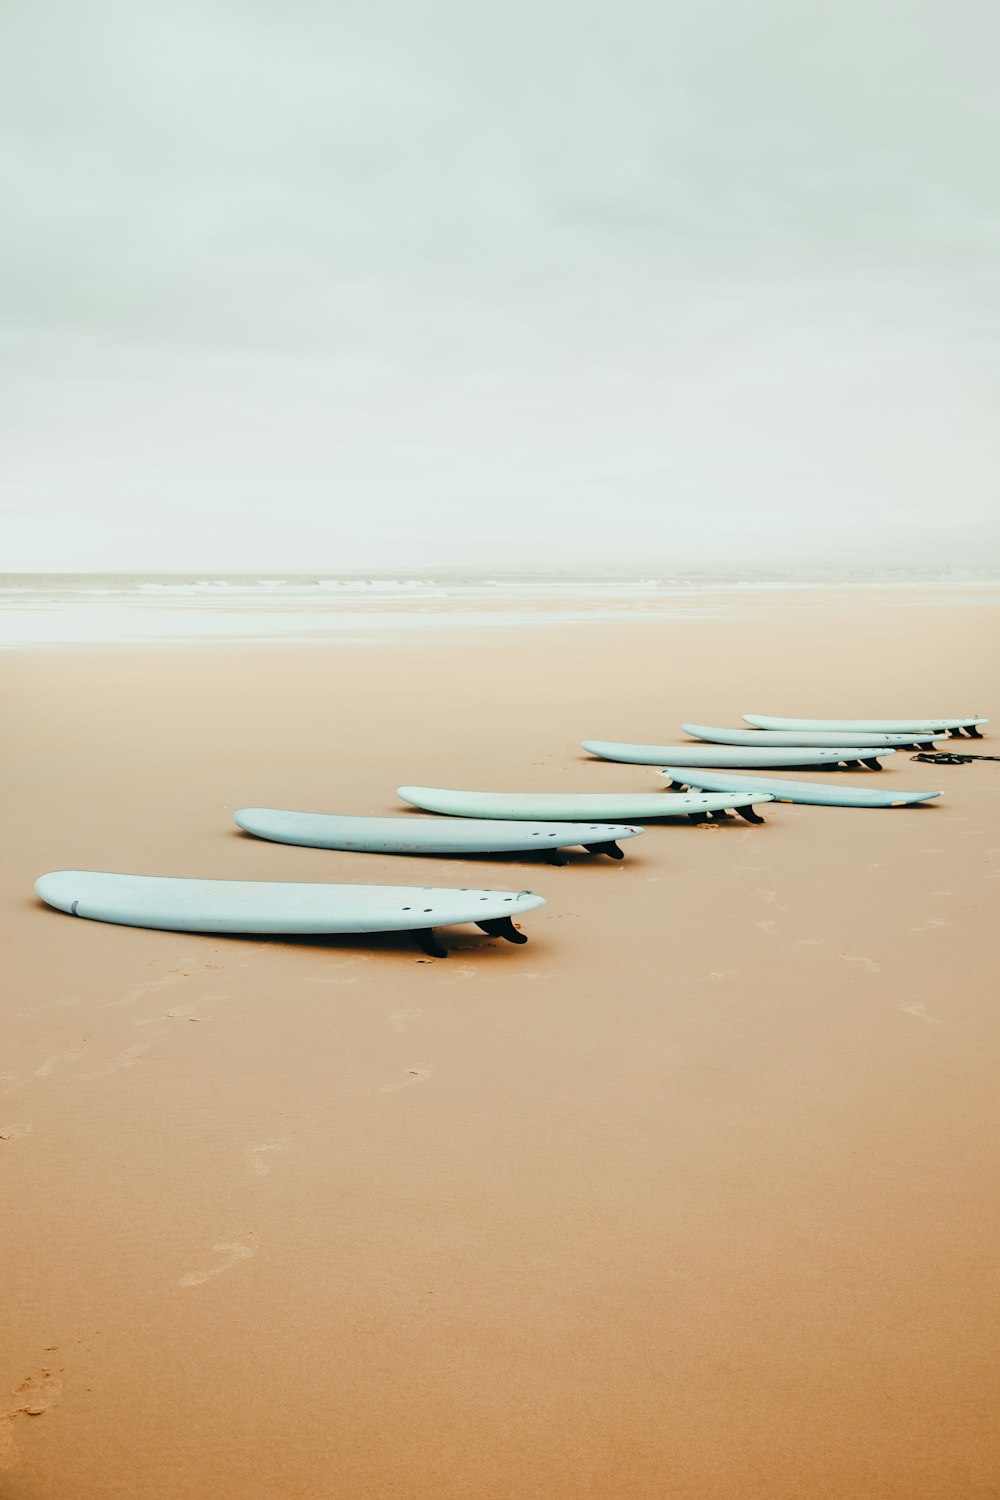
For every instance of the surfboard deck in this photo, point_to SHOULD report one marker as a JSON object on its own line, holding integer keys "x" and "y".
{"x": 889, "y": 726}
{"x": 727, "y": 756}
{"x": 572, "y": 806}
{"x": 815, "y": 793}
{"x": 407, "y": 835}
{"x": 800, "y": 739}
{"x": 286, "y": 907}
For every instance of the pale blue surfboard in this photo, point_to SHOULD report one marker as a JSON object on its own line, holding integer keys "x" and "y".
{"x": 725, "y": 757}
{"x": 801, "y": 739}
{"x": 402, "y": 835}
{"x": 886, "y": 726}
{"x": 573, "y": 806}
{"x": 817, "y": 793}
{"x": 287, "y": 907}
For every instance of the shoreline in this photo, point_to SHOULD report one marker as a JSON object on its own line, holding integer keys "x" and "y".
{"x": 261, "y": 620}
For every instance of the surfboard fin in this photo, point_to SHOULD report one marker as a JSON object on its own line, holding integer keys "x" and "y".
{"x": 609, "y": 847}
{"x": 553, "y": 857}
{"x": 873, "y": 764}
{"x": 428, "y": 943}
{"x": 973, "y": 732}
{"x": 748, "y": 814}
{"x": 502, "y": 927}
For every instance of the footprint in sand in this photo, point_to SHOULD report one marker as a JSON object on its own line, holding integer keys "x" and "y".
{"x": 15, "y": 1131}
{"x": 178, "y": 1012}
{"x": 126, "y": 1059}
{"x": 914, "y": 1008}
{"x": 234, "y": 1251}
{"x": 331, "y": 978}
{"x": 30, "y": 1399}
{"x": 766, "y": 926}
{"x": 257, "y": 1155}
{"x": 772, "y": 897}
{"x": 810, "y": 942}
{"x": 48, "y": 1005}
{"x": 149, "y": 987}
{"x": 51, "y": 1063}
{"x": 859, "y": 958}
{"x": 927, "y": 926}
{"x": 457, "y": 976}
{"x": 413, "y": 1075}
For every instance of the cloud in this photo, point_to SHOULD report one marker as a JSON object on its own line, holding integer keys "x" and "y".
{"x": 331, "y": 280}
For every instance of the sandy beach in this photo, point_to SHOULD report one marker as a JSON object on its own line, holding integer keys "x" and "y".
{"x": 694, "y": 1196}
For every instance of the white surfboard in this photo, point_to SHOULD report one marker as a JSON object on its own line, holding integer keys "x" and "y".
{"x": 724, "y": 757}
{"x": 572, "y": 806}
{"x": 404, "y": 835}
{"x": 800, "y": 739}
{"x": 241, "y": 906}
{"x": 886, "y": 726}
{"x": 817, "y": 793}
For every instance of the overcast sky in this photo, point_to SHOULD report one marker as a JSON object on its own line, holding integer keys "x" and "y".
{"x": 302, "y": 284}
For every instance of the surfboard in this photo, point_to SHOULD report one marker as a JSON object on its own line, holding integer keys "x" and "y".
{"x": 573, "y": 806}
{"x": 402, "y": 835}
{"x": 725, "y": 756}
{"x": 256, "y": 906}
{"x": 801, "y": 739}
{"x": 814, "y": 792}
{"x": 887, "y": 726}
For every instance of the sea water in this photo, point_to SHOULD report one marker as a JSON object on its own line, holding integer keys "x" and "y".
{"x": 38, "y": 609}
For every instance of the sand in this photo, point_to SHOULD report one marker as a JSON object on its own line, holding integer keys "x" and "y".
{"x": 693, "y": 1196}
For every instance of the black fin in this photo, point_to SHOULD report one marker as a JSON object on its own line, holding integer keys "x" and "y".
{"x": 428, "y": 943}
{"x": 749, "y": 814}
{"x": 609, "y": 847}
{"x": 553, "y": 856}
{"x": 873, "y": 764}
{"x": 955, "y": 734}
{"x": 502, "y": 927}
{"x": 972, "y": 731}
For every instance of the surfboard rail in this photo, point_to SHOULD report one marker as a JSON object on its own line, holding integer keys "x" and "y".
{"x": 570, "y": 806}
{"x": 954, "y": 726}
{"x": 432, "y": 835}
{"x": 797, "y": 739}
{"x": 814, "y": 793}
{"x": 737, "y": 757}
{"x": 286, "y": 908}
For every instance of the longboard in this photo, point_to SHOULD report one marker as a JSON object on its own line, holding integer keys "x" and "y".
{"x": 240, "y": 906}
{"x": 888, "y": 726}
{"x": 725, "y": 756}
{"x": 571, "y": 806}
{"x": 814, "y": 792}
{"x": 429, "y": 835}
{"x": 801, "y": 739}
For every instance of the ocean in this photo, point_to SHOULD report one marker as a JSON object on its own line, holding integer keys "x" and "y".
{"x": 54, "y": 609}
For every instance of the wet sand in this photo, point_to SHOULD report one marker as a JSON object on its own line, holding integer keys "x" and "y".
{"x": 693, "y": 1196}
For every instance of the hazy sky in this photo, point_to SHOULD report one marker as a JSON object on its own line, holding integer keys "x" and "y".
{"x": 297, "y": 284}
